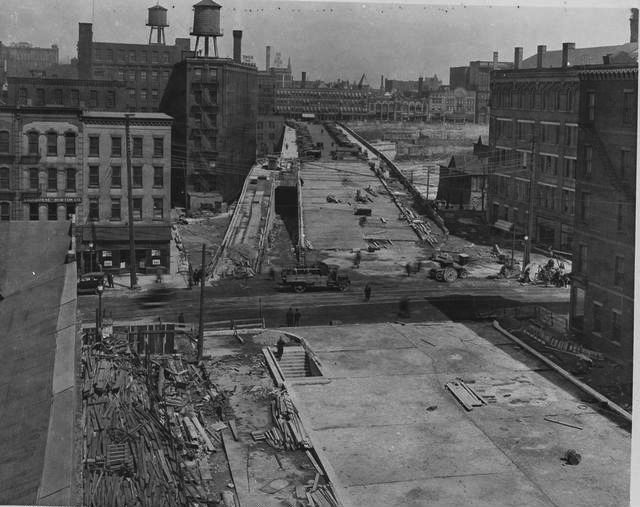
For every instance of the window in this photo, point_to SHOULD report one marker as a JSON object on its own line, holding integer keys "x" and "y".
{"x": 116, "y": 146}
{"x": 570, "y": 135}
{"x": 52, "y": 179}
{"x": 158, "y": 147}
{"x": 52, "y": 211}
{"x": 213, "y": 73}
{"x": 39, "y": 96}
{"x": 620, "y": 218}
{"x": 4, "y": 142}
{"x": 94, "y": 146}
{"x": 131, "y": 75}
{"x": 94, "y": 176}
{"x": 120, "y": 75}
{"x": 5, "y": 214}
{"x": 70, "y": 209}
{"x": 585, "y": 203}
{"x": 591, "y": 106}
{"x": 34, "y": 178}
{"x": 137, "y": 208}
{"x": 143, "y": 75}
{"x": 588, "y": 160}
{"x": 618, "y": 276}
{"x": 197, "y": 72}
{"x": 111, "y": 99}
{"x": 70, "y": 180}
{"x": 582, "y": 259}
{"x": 165, "y": 75}
{"x": 93, "y": 98}
{"x": 569, "y": 105}
{"x": 115, "y": 209}
{"x": 550, "y": 133}
{"x": 34, "y": 211}
{"x": 52, "y": 143}
{"x": 165, "y": 57}
{"x": 143, "y": 94}
{"x": 154, "y": 57}
{"x": 137, "y": 176}
{"x": 197, "y": 96}
{"x": 158, "y": 176}
{"x": 158, "y": 209}
{"x": 22, "y": 97}
{"x": 116, "y": 176}
{"x": 75, "y": 97}
{"x": 94, "y": 210}
{"x": 629, "y": 107}
{"x": 33, "y": 142}
{"x": 132, "y": 93}
{"x": 597, "y": 317}
{"x": 4, "y": 178}
{"x": 567, "y": 202}
{"x": 132, "y": 56}
{"x": 69, "y": 144}
{"x": 154, "y": 94}
{"x": 616, "y": 325}
{"x": 57, "y": 96}
{"x": 627, "y": 165}
{"x": 137, "y": 147}
{"x": 110, "y": 55}
{"x": 570, "y": 168}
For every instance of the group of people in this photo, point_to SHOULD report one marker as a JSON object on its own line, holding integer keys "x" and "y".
{"x": 195, "y": 276}
{"x": 293, "y": 319}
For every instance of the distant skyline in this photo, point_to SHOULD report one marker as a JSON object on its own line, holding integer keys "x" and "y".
{"x": 331, "y": 40}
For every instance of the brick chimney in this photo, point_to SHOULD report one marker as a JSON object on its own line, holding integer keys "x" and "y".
{"x": 566, "y": 46}
{"x": 420, "y": 86}
{"x": 633, "y": 22}
{"x": 541, "y": 51}
{"x": 382, "y": 83}
{"x": 517, "y": 58}
{"x": 304, "y": 79}
{"x": 495, "y": 59}
{"x": 268, "y": 58}
{"x": 237, "y": 46}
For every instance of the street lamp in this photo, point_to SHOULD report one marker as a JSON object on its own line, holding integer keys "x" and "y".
{"x": 91, "y": 250}
{"x": 99, "y": 289}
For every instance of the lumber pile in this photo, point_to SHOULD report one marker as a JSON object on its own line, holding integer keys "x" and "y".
{"x": 322, "y": 496}
{"x": 288, "y": 432}
{"x": 145, "y": 441}
{"x": 467, "y": 397}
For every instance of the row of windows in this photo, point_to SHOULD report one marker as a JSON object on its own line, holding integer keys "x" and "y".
{"x": 116, "y": 209}
{"x": 116, "y": 176}
{"x": 615, "y": 323}
{"x": 57, "y": 97}
{"x": 144, "y": 94}
{"x": 549, "y": 100}
{"x": 550, "y": 198}
{"x": 629, "y": 106}
{"x": 582, "y": 265}
{"x": 131, "y": 56}
{"x": 116, "y": 146}
{"x": 33, "y": 143}
{"x": 131, "y": 75}
{"x": 526, "y": 131}
{"x": 53, "y": 176}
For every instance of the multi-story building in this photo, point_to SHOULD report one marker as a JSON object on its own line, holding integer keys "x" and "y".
{"x": 533, "y": 135}
{"x": 449, "y": 104}
{"x": 214, "y": 102}
{"x": 602, "y": 291}
{"x": 103, "y": 212}
{"x": 22, "y": 59}
{"x": 398, "y": 108}
{"x": 323, "y": 103}
{"x": 143, "y": 69}
{"x": 269, "y": 134}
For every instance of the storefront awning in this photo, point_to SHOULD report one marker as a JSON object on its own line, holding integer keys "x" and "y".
{"x": 120, "y": 233}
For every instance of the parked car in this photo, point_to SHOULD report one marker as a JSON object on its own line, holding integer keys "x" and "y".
{"x": 88, "y": 282}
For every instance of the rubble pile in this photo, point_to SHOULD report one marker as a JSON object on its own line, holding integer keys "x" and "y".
{"x": 143, "y": 426}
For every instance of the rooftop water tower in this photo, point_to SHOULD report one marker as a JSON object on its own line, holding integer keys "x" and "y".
{"x": 157, "y": 20}
{"x": 206, "y": 23}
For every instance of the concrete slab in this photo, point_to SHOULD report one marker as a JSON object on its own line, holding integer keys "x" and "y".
{"x": 392, "y": 435}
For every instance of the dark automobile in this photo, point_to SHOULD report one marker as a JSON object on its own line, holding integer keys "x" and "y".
{"x": 156, "y": 297}
{"x": 88, "y": 282}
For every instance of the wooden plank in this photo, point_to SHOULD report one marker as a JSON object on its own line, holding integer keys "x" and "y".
{"x": 273, "y": 366}
{"x": 233, "y": 428}
{"x": 562, "y": 423}
{"x": 314, "y": 463}
{"x": 207, "y": 441}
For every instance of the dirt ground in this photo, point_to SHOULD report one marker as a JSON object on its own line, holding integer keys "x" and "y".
{"x": 208, "y": 229}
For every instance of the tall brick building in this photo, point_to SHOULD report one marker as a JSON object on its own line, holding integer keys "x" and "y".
{"x": 602, "y": 293}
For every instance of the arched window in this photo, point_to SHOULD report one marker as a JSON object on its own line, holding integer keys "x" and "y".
{"x": 4, "y": 141}
{"x": 4, "y": 178}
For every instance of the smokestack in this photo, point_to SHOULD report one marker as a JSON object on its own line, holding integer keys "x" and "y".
{"x": 517, "y": 58}
{"x": 541, "y": 51}
{"x": 304, "y": 79}
{"x": 633, "y": 22}
{"x": 237, "y": 46}
{"x": 495, "y": 59}
{"x": 268, "y": 58}
{"x": 420, "y": 86}
{"x": 381, "y": 82}
{"x": 566, "y": 46}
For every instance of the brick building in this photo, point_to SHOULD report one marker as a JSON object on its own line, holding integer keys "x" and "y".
{"x": 398, "y": 108}
{"x": 214, "y": 102}
{"x": 533, "y": 132}
{"x": 324, "y": 103}
{"x": 21, "y": 59}
{"x": 102, "y": 215}
{"x": 602, "y": 292}
{"x": 452, "y": 104}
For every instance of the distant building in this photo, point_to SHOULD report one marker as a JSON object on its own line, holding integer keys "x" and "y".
{"x": 462, "y": 182}
{"x": 269, "y": 134}
{"x": 455, "y": 105}
{"x": 143, "y": 69}
{"x": 398, "y": 109}
{"x": 602, "y": 292}
{"x": 103, "y": 237}
{"x": 22, "y": 59}
{"x": 214, "y": 102}
{"x": 534, "y": 127}
{"x": 324, "y": 103}
{"x": 418, "y": 87}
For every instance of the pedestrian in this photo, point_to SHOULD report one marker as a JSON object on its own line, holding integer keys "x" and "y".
{"x": 196, "y": 277}
{"x": 110, "y": 279}
{"x": 280, "y": 348}
{"x": 296, "y": 318}
{"x": 408, "y": 268}
{"x": 403, "y": 307}
{"x": 272, "y": 273}
{"x": 181, "y": 318}
{"x": 367, "y": 292}
{"x": 357, "y": 259}
{"x": 290, "y": 317}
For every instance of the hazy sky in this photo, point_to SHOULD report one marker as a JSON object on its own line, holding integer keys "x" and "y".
{"x": 332, "y": 40}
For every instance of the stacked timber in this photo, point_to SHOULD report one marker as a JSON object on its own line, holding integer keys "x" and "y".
{"x": 288, "y": 432}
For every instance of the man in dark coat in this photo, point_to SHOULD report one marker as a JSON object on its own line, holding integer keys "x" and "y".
{"x": 367, "y": 292}
{"x": 290, "y": 317}
{"x": 296, "y": 318}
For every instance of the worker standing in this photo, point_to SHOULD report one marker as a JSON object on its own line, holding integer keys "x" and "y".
{"x": 290, "y": 317}
{"x": 296, "y": 318}
{"x": 367, "y": 292}
{"x": 408, "y": 268}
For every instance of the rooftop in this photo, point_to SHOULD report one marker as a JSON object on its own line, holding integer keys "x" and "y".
{"x": 584, "y": 56}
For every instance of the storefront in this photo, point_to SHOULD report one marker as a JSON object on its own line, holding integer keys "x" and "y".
{"x": 106, "y": 248}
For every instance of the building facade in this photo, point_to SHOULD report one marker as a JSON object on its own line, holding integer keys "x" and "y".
{"x": 21, "y": 59}
{"x": 103, "y": 212}
{"x": 269, "y": 134}
{"x": 398, "y": 108}
{"x": 452, "y": 104}
{"x": 142, "y": 69}
{"x": 324, "y": 103}
{"x": 602, "y": 292}
{"x": 214, "y": 102}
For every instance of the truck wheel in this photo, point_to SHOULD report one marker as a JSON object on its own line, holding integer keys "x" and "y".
{"x": 450, "y": 274}
{"x": 299, "y": 288}
{"x": 463, "y": 273}
{"x": 440, "y": 275}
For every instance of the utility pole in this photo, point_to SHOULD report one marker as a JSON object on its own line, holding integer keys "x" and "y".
{"x": 132, "y": 243}
{"x": 428, "y": 180}
{"x": 530, "y": 223}
{"x": 203, "y": 277}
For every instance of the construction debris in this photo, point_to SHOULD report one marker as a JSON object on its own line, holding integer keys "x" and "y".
{"x": 288, "y": 432}
{"x": 467, "y": 397}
